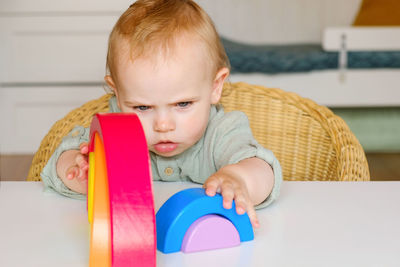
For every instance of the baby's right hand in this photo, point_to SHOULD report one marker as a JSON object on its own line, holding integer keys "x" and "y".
{"x": 72, "y": 168}
{"x": 80, "y": 169}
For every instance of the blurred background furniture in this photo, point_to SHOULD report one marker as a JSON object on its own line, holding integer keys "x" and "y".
{"x": 310, "y": 142}
{"x": 53, "y": 60}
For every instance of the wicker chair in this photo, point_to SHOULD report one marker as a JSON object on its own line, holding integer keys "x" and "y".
{"x": 310, "y": 142}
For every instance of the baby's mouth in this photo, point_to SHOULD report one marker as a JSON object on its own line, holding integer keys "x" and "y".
{"x": 165, "y": 146}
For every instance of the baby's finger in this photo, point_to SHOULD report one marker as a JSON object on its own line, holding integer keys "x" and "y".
{"x": 82, "y": 175}
{"x": 253, "y": 216}
{"x": 84, "y": 148}
{"x": 228, "y": 193}
{"x": 211, "y": 185}
{"x": 240, "y": 203}
{"x": 82, "y": 162}
{"x": 72, "y": 172}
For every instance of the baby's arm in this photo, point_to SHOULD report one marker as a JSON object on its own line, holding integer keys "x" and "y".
{"x": 245, "y": 172}
{"x": 248, "y": 182}
{"x": 54, "y": 174}
{"x": 72, "y": 167}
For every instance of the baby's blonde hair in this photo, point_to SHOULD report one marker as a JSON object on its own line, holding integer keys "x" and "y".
{"x": 148, "y": 25}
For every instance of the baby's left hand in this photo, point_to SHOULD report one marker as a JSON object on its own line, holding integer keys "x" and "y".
{"x": 232, "y": 188}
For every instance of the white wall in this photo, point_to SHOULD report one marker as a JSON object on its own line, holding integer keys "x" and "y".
{"x": 279, "y": 21}
{"x": 255, "y": 21}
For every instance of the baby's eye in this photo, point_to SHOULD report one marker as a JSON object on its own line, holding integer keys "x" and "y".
{"x": 141, "y": 108}
{"x": 184, "y": 104}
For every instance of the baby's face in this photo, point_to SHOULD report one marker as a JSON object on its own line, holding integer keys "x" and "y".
{"x": 171, "y": 96}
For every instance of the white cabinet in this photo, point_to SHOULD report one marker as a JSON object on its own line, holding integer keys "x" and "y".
{"x": 28, "y": 112}
{"x": 52, "y": 59}
{"x": 40, "y": 50}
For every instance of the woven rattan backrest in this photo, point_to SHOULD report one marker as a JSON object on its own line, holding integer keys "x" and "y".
{"x": 310, "y": 142}
{"x": 79, "y": 116}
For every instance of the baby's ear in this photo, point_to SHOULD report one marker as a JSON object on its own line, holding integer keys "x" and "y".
{"x": 218, "y": 84}
{"x": 110, "y": 82}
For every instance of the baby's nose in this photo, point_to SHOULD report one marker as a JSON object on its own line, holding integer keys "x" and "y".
{"x": 164, "y": 124}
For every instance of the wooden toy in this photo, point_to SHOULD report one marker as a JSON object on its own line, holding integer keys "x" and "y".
{"x": 121, "y": 207}
{"x": 181, "y": 225}
{"x": 120, "y": 199}
{"x": 100, "y": 237}
{"x": 210, "y": 232}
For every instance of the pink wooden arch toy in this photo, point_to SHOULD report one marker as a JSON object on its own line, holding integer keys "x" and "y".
{"x": 120, "y": 198}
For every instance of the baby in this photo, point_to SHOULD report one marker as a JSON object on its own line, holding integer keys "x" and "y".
{"x": 166, "y": 63}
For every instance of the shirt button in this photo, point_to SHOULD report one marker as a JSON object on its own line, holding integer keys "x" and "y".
{"x": 168, "y": 171}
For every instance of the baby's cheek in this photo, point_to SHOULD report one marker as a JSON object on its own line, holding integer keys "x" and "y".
{"x": 194, "y": 129}
{"x": 148, "y": 132}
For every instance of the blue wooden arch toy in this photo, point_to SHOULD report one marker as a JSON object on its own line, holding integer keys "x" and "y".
{"x": 182, "y": 209}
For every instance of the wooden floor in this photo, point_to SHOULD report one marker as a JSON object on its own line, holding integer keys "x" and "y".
{"x": 383, "y": 166}
{"x": 14, "y": 167}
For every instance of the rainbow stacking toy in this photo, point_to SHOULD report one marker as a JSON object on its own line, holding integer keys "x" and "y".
{"x": 121, "y": 207}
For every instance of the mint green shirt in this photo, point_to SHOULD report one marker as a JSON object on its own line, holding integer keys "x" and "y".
{"x": 227, "y": 140}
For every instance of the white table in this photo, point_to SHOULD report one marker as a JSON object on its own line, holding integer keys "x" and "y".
{"x": 311, "y": 224}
